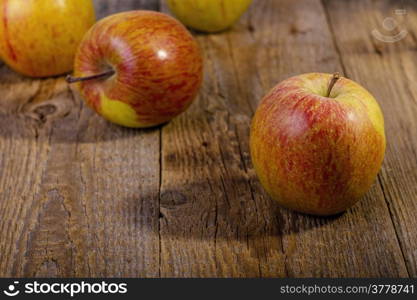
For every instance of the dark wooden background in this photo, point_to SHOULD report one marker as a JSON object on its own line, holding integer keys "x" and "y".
{"x": 81, "y": 197}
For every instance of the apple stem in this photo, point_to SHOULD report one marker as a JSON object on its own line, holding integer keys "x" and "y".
{"x": 71, "y": 79}
{"x": 335, "y": 78}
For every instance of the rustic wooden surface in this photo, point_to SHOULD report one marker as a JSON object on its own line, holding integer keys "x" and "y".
{"x": 80, "y": 197}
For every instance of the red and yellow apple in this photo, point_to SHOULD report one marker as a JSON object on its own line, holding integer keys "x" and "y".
{"x": 39, "y": 38}
{"x": 208, "y": 15}
{"x": 138, "y": 68}
{"x": 317, "y": 143}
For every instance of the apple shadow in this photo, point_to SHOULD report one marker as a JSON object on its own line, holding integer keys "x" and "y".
{"x": 201, "y": 211}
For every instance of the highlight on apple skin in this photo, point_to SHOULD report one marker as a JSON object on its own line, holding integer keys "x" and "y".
{"x": 208, "y": 15}
{"x": 149, "y": 68}
{"x": 317, "y": 143}
{"x": 39, "y": 38}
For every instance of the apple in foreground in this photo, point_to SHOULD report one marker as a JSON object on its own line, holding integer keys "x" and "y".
{"x": 317, "y": 142}
{"x": 138, "y": 68}
{"x": 208, "y": 15}
{"x": 38, "y": 38}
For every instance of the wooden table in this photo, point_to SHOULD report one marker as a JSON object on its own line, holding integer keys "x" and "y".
{"x": 81, "y": 197}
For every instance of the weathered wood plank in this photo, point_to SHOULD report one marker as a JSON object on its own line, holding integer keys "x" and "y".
{"x": 24, "y": 149}
{"x": 216, "y": 219}
{"x": 80, "y": 197}
{"x": 389, "y": 70}
{"x": 208, "y": 212}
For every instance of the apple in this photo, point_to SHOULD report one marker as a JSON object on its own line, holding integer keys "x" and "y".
{"x": 138, "y": 68}
{"x": 317, "y": 142}
{"x": 38, "y": 38}
{"x": 208, "y": 15}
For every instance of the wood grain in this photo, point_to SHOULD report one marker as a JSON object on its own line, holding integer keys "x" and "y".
{"x": 389, "y": 72}
{"x": 80, "y": 197}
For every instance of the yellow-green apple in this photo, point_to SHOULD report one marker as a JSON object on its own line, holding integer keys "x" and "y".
{"x": 208, "y": 15}
{"x": 138, "y": 68}
{"x": 39, "y": 38}
{"x": 317, "y": 142}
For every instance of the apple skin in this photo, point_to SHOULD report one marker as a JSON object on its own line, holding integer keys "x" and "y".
{"x": 315, "y": 154}
{"x": 38, "y": 38}
{"x": 208, "y": 15}
{"x": 158, "y": 68}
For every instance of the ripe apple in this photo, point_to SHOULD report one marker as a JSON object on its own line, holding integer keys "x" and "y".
{"x": 138, "y": 68}
{"x": 208, "y": 15}
{"x": 317, "y": 143}
{"x": 38, "y": 38}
